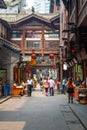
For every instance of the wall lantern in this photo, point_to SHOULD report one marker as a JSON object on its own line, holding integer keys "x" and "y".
{"x": 64, "y": 66}
{"x": 72, "y": 47}
{"x": 33, "y": 56}
{"x": 51, "y": 56}
{"x": 73, "y": 50}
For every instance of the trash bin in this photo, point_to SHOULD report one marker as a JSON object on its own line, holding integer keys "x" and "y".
{"x": 6, "y": 89}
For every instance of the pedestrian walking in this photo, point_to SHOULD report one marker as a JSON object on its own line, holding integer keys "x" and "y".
{"x": 46, "y": 86}
{"x": 30, "y": 83}
{"x": 51, "y": 86}
{"x": 70, "y": 90}
{"x": 64, "y": 81}
{"x": 41, "y": 83}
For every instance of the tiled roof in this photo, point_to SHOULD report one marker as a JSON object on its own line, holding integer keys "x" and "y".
{"x": 5, "y": 23}
{"x": 10, "y": 45}
{"x": 16, "y": 17}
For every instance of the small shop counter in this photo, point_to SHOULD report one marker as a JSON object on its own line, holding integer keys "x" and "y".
{"x": 17, "y": 90}
{"x": 80, "y": 94}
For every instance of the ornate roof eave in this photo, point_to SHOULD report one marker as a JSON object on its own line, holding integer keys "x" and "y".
{"x": 10, "y": 45}
{"x": 55, "y": 21}
{"x": 65, "y": 2}
{"x": 2, "y": 4}
{"x": 48, "y": 22}
{"x": 5, "y": 23}
{"x": 33, "y": 15}
{"x": 54, "y": 18}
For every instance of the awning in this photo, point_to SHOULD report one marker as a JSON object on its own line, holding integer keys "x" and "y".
{"x": 65, "y": 2}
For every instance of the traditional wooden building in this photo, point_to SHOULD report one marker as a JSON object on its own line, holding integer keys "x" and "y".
{"x": 63, "y": 38}
{"x": 38, "y": 37}
{"x": 76, "y": 37}
{"x": 9, "y": 54}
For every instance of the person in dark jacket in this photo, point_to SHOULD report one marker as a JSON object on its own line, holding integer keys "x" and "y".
{"x": 70, "y": 90}
{"x": 78, "y": 81}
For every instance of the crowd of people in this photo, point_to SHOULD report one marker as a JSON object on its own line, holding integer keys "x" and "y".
{"x": 48, "y": 84}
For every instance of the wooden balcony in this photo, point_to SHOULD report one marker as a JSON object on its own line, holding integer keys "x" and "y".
{"x": 39, "y": 51}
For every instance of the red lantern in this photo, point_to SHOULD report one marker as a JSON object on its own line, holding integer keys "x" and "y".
{"x": 33, "y": 56}
{"x": 73, "y": 50}
{"x": 51, "y": 56}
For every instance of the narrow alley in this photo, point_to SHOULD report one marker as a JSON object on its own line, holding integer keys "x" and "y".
{"x": 39, "y": 112}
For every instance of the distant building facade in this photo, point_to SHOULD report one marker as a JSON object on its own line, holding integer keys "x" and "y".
{"x": 15, "y": 6}
{"x": 54, "y": 6}
{"x": 42, "y": 6}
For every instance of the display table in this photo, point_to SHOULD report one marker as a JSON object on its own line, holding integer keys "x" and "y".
{"x": 80, "y": 94}
{"x": 17, "y": 90}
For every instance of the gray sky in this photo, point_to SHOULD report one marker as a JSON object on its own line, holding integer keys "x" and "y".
{"x": 29, "y": 3}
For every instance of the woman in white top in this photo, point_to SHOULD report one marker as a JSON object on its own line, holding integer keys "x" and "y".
{"x": 30, "y": 83}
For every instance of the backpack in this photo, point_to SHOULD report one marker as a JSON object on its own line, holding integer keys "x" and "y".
{"x": 70, "y": 85}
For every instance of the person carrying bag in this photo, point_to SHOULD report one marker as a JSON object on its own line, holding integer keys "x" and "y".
{"x": 70, "y": 90}
{"x": 30, "y": 83}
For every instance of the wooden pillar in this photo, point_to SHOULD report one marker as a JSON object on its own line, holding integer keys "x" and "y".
{"x": 15, "y": 74}
{"x": 19, "y": 75}
{"x": 23, "y": 43}
{"x": 43, "y": 42}
{"x": 61, "y": 66}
